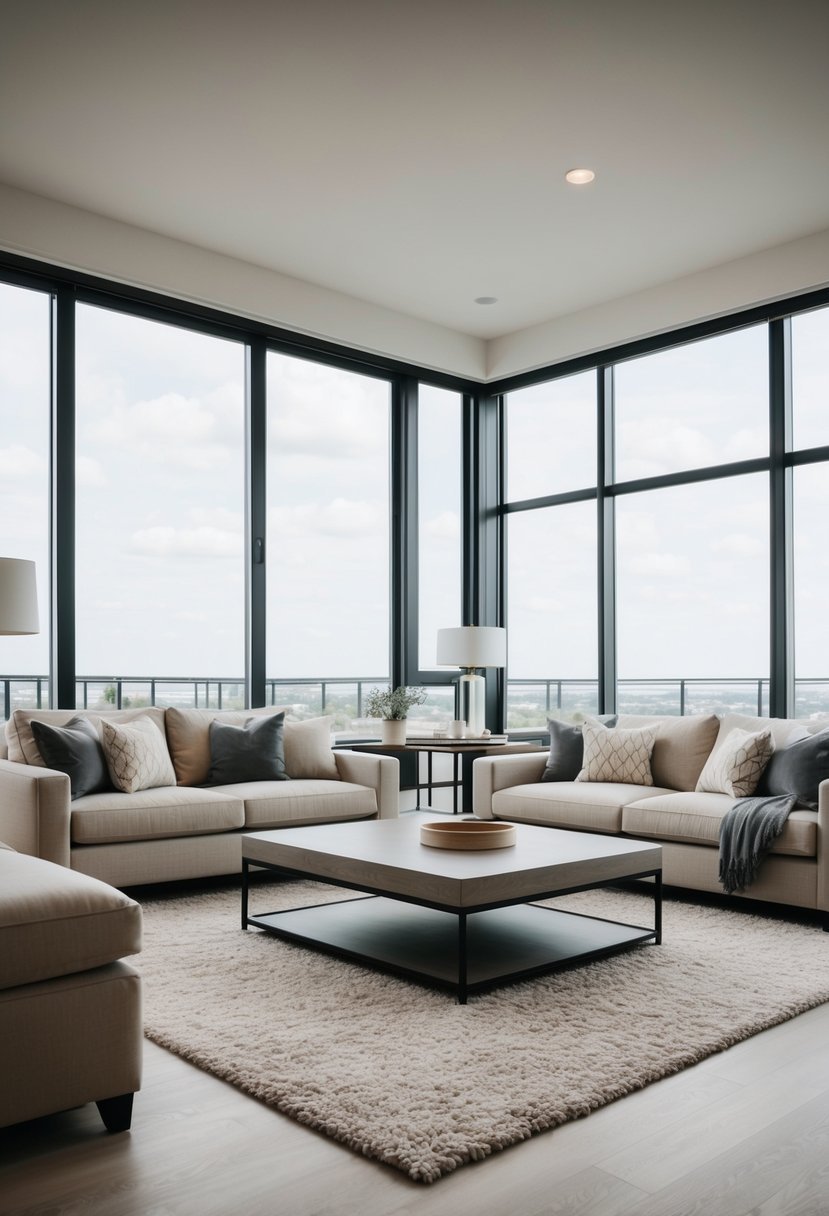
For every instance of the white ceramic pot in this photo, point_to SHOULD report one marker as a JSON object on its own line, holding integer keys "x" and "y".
{"x": 393, "y": 731}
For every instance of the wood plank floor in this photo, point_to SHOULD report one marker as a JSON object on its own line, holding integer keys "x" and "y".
{"x": 744, "y": 1132}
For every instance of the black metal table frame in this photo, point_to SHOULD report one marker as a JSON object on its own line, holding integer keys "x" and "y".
{"x": 462, "y": 988}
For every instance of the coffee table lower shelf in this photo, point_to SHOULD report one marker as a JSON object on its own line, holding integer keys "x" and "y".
{"x": 465, "y": 953}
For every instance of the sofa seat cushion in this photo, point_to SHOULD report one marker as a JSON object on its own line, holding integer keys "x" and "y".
{"x": 150, "y": 814}
{"x": 695, "y": 819}
{"x": 54, "y": 921}
{"x": 271, "y": 804}
{"x": 592, "y": 806}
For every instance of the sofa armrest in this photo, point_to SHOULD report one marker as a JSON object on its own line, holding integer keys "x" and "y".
{"x": 823, "y": 847}
{"x": 491, "y": 773}
{"x": 379, "y": 773}
{"x": 34, "y": 810}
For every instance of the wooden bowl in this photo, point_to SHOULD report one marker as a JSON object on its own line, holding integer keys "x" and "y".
{"x": 468, "y": 834}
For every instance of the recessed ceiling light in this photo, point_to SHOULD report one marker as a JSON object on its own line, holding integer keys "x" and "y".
{"x": 486, "y": 300}
{"x": 579, "y": 177}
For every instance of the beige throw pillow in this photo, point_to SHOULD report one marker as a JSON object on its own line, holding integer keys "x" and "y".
{"x": 737, "y": 764}
{"x": 616, "y": 754}
{"x": 308, "y": 750}
{"x": 136, "y": 755}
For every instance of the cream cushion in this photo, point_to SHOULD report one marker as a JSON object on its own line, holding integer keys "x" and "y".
{"x": 735, "y": 766}
{"x": 308, "y": 750}
{"x": 568, "y": 804}
{"x": 271, "y": 804}
{"x": 136, "y": 755}
{"x": 54, "y": 921}
{"x": 681, "y": 747}
{"x": 188, "y": 737}
{"x": 694, "y": 818}
{"x": 152, "y": 814}
{"x": 21, "y": 741}
{"x": 617, "y": 755}
{"x": 783, "y": 730}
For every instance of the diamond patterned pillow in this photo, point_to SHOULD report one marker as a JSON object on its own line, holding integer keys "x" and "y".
{"x": 136, "y": 755}
{"x": 617, "y": 755}
{"x": 736, "y": 766}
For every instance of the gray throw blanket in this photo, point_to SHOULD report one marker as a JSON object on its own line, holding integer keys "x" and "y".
{"x": 747, "y": 832}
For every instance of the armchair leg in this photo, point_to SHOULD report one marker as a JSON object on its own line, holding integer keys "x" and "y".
{"x": 116, "y": 1112}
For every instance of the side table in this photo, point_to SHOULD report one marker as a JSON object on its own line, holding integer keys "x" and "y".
{"x": 463, "y": 755}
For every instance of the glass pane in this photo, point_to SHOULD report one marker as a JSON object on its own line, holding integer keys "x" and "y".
{"x": 24, "y": 479}
{"x": 439, "y": 516}
{"x": 693, "y": 591}
{"x": 552, "y": 621}
{"x": 328, "y": 522}
{"x": 160, "y": 502}
{"x": 551, "y": 437}
{"x": 811, "y": 579}
{"x": 693, "y": 406}
{"x": 810, "y": 379}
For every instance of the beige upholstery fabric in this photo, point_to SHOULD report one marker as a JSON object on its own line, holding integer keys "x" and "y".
{"x": 781, "y": 880}
{"x": 69, "y": 1041}
{"x": 617, "y": 755}
{"x": 737, "y": 764}
{"x": 167, "y": 859}
{"x": 783, "y": 730}
{"x": 34, "y": 810}
{"x": 695, "y": 818}
{"x": 136, "y": 755}
{"x": 154, "y": 814}
{"x": 681, "y": 748}
{"x": 21, "y": 741}
{"x": 308, "y": 750}
{"x": 589, "y": 806}
{"x": 380, "y": 773}
{"x": 188, "y": 737}
{"x": 55, "y": 922}
{"x": 273, "y": 804}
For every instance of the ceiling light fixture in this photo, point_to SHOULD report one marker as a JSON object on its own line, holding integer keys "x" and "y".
{"x": 579, "y": 177}
{"x": 486, "y": 300}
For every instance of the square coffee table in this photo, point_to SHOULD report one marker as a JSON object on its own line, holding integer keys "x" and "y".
{"x": 463, "y": 920}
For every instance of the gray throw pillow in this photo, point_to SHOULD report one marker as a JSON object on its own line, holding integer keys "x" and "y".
{"x": 74, "y": 749}
{"x": 798, "y": 769}
{"x": 564, "y": 762}
{"x": 253, "y": 752}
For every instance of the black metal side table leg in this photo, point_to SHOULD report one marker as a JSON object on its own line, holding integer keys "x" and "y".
{"x": 245, "y": 873}
{"x": 462, "y": 958}
{"x": 657, "y": 907}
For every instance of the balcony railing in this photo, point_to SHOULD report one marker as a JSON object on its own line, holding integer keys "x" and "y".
{"x": 528, "y": 701}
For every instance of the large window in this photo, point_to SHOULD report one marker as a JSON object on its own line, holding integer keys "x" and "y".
{"x": 328, "y": 532}
{"x": 160, "y": 504}
{"x": 693, "y": 406}
{"x": 24, "y": 476}
{"x": 439, "y": 517}
{"x": 551, "y": 437}
{"x": 810, "y": 378}
{"x": 693, "y": 596}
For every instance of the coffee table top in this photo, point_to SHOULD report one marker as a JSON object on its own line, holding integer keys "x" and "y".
{"x": 386, "y": 855}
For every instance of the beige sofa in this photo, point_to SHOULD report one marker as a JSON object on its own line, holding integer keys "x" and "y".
{"x": 186, "y": 830}
{"x": 683, "y": 821}
{"x": 70, "y": 1010}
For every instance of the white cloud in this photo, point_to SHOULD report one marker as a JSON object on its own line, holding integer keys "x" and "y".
{"x": 445, "y": 526}
{"x": 341, "y": 517}
{"x": 89, "y": 473}
{"x": 18, "y": 462}
{"x": 738, "y": 544}
{"x": 198, "y": 432}
{"x": 202, "y": 541}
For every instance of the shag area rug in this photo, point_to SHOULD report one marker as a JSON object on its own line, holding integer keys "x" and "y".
{"x": 403, "y": 1074}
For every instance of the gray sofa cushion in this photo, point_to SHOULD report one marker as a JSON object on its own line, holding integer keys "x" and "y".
{"x": 74, "y": 749}
{"x": 254, "y": 751}
{"x": 798, "y": 769}
{"x": 567, "y": 748}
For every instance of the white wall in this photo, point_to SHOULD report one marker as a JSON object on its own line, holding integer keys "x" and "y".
{"x": 770, "y": 275}
{"x": 68, "y": 236}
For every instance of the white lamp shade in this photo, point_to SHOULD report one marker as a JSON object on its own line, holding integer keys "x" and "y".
{"x": 472, "y": 646}
{"x": 18, "y": 596}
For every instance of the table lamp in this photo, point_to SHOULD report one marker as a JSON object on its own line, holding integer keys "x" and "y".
{"x": 18, "y": 597}
{"x": 471, "y": 647}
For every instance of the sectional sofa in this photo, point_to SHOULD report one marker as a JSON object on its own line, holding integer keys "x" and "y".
{"x": 184, "y": 828}
{"x": 684, "y": 821}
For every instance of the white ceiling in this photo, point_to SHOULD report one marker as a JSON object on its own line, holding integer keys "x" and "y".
{"x": 411, "y": 153}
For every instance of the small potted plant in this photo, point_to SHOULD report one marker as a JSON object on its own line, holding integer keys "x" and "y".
{"x": 392, "y": 705}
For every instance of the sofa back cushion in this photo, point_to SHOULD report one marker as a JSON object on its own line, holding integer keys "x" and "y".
{"x": 136, "y": 755}
{"x": 307, "y": 744}
{"x": 20, "y": 738}
{"x": 681, "y": 748}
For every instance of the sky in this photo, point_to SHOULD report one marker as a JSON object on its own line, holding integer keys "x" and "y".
{"x": 160, "y": 507}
